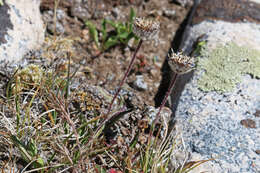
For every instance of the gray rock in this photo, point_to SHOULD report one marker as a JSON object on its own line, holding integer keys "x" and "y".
{"x": 48, "y": 18}
{"x": 21, "y": 28}
{"x": 256, "y": 1}
{"x": 169, "y": 13}
{"x": 116, "y": 12}
{"x": 183, "y": 2}
{"x": 80, "y": 11}
{"x": 60, "y": 14}
{"x": 139, "y": 83}
{"x": 243, "y": 34}
{"x": 210, "y": 118}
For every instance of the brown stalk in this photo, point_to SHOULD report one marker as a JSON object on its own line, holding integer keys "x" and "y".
{"x": 61, "y": 106}
{"x": 119, "y": 88}
{"x": 125, "y": 76}
{"x": 174, "y": 78}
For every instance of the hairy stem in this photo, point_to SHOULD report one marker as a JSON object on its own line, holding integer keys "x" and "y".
{"x": 174, "y": 78}
{"x": 99, "y": 129}
{"x": 166, "y": 96}
{"x": 124, "y": 78}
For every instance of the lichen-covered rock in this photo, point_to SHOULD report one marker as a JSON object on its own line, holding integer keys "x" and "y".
{"x": 225, "y": 65}
{"x": 215, "y": 112}
{"x": 21, "y": 28}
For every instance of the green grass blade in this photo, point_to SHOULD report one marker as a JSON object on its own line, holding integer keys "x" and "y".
{"x": 18, "y": 115}
{"x": 132, "y": 15}
{"x": 113, "y": 24}
{"x": 93, "y": 32}
{"x": 103, "y": 30}
{"x": 26, "y": 156}
{"x": 110, "y": 42}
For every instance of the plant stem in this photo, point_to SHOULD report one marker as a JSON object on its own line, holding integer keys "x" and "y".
{"x": 125, "y": 76}
{"x": 166, "y": 96}
{"x": 174, "y": 78}
{"x": 99, "y": 129}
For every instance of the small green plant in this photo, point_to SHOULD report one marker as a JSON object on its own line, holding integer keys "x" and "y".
{"x": 121, "y": 34}
{"x": 144, "y": 29}
{"x": 29, "y": 152}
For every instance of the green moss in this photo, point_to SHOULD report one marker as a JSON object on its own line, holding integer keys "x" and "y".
{"x": 225, "y": 65}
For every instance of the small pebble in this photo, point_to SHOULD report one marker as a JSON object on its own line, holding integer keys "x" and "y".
{"x": 169, "y": 13}
{"x": 248, "y": 123}
{"x": 257, "y": 113}
{"x": 139, "y": 83}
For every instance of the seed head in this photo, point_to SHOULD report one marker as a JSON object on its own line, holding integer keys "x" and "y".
{"x": 180, "y": 63}
{"x": 146, "y": 29}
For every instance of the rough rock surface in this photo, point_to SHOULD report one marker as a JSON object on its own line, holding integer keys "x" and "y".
{"x": 243, "y": 34}
{"x": 231, "y": 10}
{"x": 222, "y": 124}
{"x": 21, "y": 28}
{"x": 139, "y": 83}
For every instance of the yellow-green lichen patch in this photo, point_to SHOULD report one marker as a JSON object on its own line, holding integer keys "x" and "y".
{"x": 33, "y": 76}
{"x": 225, "y": 65}
{"x": 27, "y": 78}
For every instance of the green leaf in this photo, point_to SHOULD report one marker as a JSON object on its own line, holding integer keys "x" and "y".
{"x": 123, "y": 35}
{"x": 93, "y": 32}
{"x": 76, "y": 157}
{"x": 25, "y": 155}
{"x": 32, "y": 148}
{"x": 132, "y": 15}
{"x": 52, "y": 157}
{"x": 113, "y": 24}
{"x": 110, "y": 42}
{"x": 100, "y": 169}
{"x": 40, "y": 162}
{"x": 121, "y": 28}
{"x": 128, "y": 38}
{"x": 103, "y": 30}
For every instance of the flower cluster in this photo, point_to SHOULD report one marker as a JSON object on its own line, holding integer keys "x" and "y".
{"x": 146, "y": 29}
{"x": 180, "y": 63}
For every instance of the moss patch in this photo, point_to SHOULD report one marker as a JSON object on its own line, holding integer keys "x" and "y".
{"x": 225, "y": 65}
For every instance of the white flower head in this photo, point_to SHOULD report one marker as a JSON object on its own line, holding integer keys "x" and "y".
{"x": 180, "y": 63}
{"x": 146, "y": 29}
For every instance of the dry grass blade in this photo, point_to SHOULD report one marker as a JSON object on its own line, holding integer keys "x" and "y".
{"x": 60, "y": 105}
{"x": 191, "y": 165}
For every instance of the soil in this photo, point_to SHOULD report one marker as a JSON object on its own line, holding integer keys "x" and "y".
{"x": 106, "y": 69}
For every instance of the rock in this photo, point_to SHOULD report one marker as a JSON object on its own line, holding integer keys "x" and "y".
{"x": 139, "y": 83}
{"x": 257, "y": 152}
{"x": 80, "y": 11}
{"x": 163, "y": 119}
{"x": 21, "y": 29}
{"x": 153, "y": 72}
{"x": 169, "y": 13}
{"x": 222, "y": 94}
{"x": 116, "y": 12}
{"x": 257, "y": 113}
{"x": 224, "y": 32}
{"x": 248, "y": 123}
{"x": 130, "y": 43}
{"x": 48, "y": 18}
{"x": 233, "y": 11}
{"x": 183, "y": 3}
